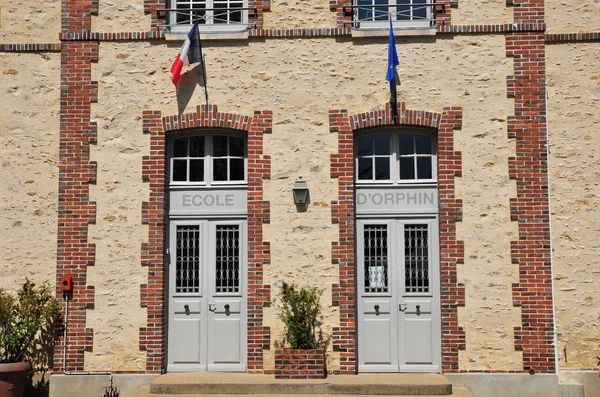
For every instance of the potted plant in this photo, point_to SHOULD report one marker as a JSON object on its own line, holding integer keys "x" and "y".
{"x": 301, "y": 352}
{"x": 23, "y": 318}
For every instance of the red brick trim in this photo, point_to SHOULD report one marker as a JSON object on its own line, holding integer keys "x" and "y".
{"x": 30, "y": 47}
{"x": 452, "y": 293}
{"x": 450, "y": 212}
{"x": 522, "y": 27}
{"x": 528, "y": 11}
{"x": 531, "y": 207}
{"x": 154, "y": 213}
{"x": 108, "y": 36}
{"x": 76, "y": 15}
{"x": 554, "y": 38}
{"x": 75, "y": 210}
{"x": 301, "y": 33}
{"x": 300, "y": 364}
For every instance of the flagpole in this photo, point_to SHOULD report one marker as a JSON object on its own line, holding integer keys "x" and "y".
{"x": 203, "y": 67}
{"x": 394, "y": 98}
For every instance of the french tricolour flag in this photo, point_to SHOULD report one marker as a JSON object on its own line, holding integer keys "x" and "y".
{"x": 191, "y": 52}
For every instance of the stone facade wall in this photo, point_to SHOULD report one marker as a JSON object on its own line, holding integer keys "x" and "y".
{"x": 572, "y": 16}
{"x": 121, "y": 16}
{"x": 475, "y": 12}
{"x": 294, "y": 14}
{"x": 133, "y": 77}
{"x": 300, "y": 80}
{"x": 28, "y": 167}
{"x": 574, "y": 116}
{"x": 29, "y": 22}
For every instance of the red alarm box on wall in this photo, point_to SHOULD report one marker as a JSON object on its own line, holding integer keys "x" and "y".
{"x": 66, "y": 283}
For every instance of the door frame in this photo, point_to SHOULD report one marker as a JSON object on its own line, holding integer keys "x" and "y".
{"x": 207, "y": 226}
{"x": 394, "y": 221}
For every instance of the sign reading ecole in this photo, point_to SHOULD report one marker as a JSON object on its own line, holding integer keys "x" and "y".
{"x": 208, "y": 202}
{"x": 397, "y": 200}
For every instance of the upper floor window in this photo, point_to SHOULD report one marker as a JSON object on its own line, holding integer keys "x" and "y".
{"x": 405, "y": 13}
{"x": 209, "y": 159}
{"x": 395, "y": 157}
{"x": 212, "y": 15}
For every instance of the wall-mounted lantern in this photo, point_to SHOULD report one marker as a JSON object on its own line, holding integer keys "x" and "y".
{"x": 300, "y": 191}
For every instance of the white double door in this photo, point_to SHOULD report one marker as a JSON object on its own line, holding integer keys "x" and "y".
{"x": 398, "y": 295}
{"x": 207, "y": 288}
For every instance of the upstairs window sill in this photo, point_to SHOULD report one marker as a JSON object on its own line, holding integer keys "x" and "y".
{"x": 180, "y": 35}
{"x": 398, "y": 32}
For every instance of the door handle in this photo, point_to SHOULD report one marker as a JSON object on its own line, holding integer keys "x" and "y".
{"x": 418, "y": 310}
{"x": 402, "y": 307}
{"x": 212, "y": 307}
{"x": 376, "y": 307}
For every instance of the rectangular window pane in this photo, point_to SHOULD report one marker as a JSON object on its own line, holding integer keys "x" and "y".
{"x": 196, "y": 170}
{"x": 382, "y": 144}
{"x": 407, "y": 168}
{"x": 179, "y": 170}
{"x": 236, "y": 169}
{"x": 382, "y": 168}
{"x": 419, "y": 11}
{"x": 423, "y": 144}
{"x": 227, "y": 263}
{"x": 424, "y": 168}
{"x": 219, "y": 146}
{"x": 416, "y": 256}
{"x": 406, "y": 144}
{"x": 220, "y": 170}
{"x": 187, "y": 261}
{"x": 180, "y": 148}
{"x": 375, "y": 256}
{"x": 197, "y": 146}
{"x": 365, "y": 12}
{"x": 364, "y": 145}
{"x": 365, "y": 169}
{"x": 236, "y": 146}
{"x": 381, "y": 13}
{"x": 235, "y": 16}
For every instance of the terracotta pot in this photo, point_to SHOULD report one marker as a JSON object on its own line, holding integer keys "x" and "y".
{"x": 13, "y": 378}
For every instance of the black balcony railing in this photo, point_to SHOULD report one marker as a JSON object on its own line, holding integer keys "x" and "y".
{"x": 369, "y": 13}
{"x": 209, "y": 16}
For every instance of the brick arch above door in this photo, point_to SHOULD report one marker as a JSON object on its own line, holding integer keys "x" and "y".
{"x": 450, "y": 212}
{"x": 154, "y": 214}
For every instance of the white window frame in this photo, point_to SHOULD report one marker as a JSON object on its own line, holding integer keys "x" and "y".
{"x": 208, "y": 160}
{"x": 395, "y": 159}
{"x": 209, "y": 26}
{"x": 400, "y": 24}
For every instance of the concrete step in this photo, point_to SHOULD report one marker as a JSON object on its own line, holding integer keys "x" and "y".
{"x": 344, "y": 385}
{"x": 145, "y": 392}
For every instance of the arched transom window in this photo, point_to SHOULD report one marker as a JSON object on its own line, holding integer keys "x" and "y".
{"x": 395, "y": 157}
{"x": 207, "y": 159}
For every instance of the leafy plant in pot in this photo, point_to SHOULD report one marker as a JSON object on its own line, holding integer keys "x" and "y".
{"x": 301, "y": 352}
{"x": 24, "y": 318}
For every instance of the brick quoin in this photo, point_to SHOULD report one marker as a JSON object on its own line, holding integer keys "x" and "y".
{"x": 154, "y": 213}
{"x": 450, "y": 212}
{"x": 75, "y": 210}
{"x": 531, "y": 209}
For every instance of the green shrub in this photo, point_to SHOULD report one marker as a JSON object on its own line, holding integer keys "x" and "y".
{"x": 33, "y": 310}
{"x": 301, "y": 312}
